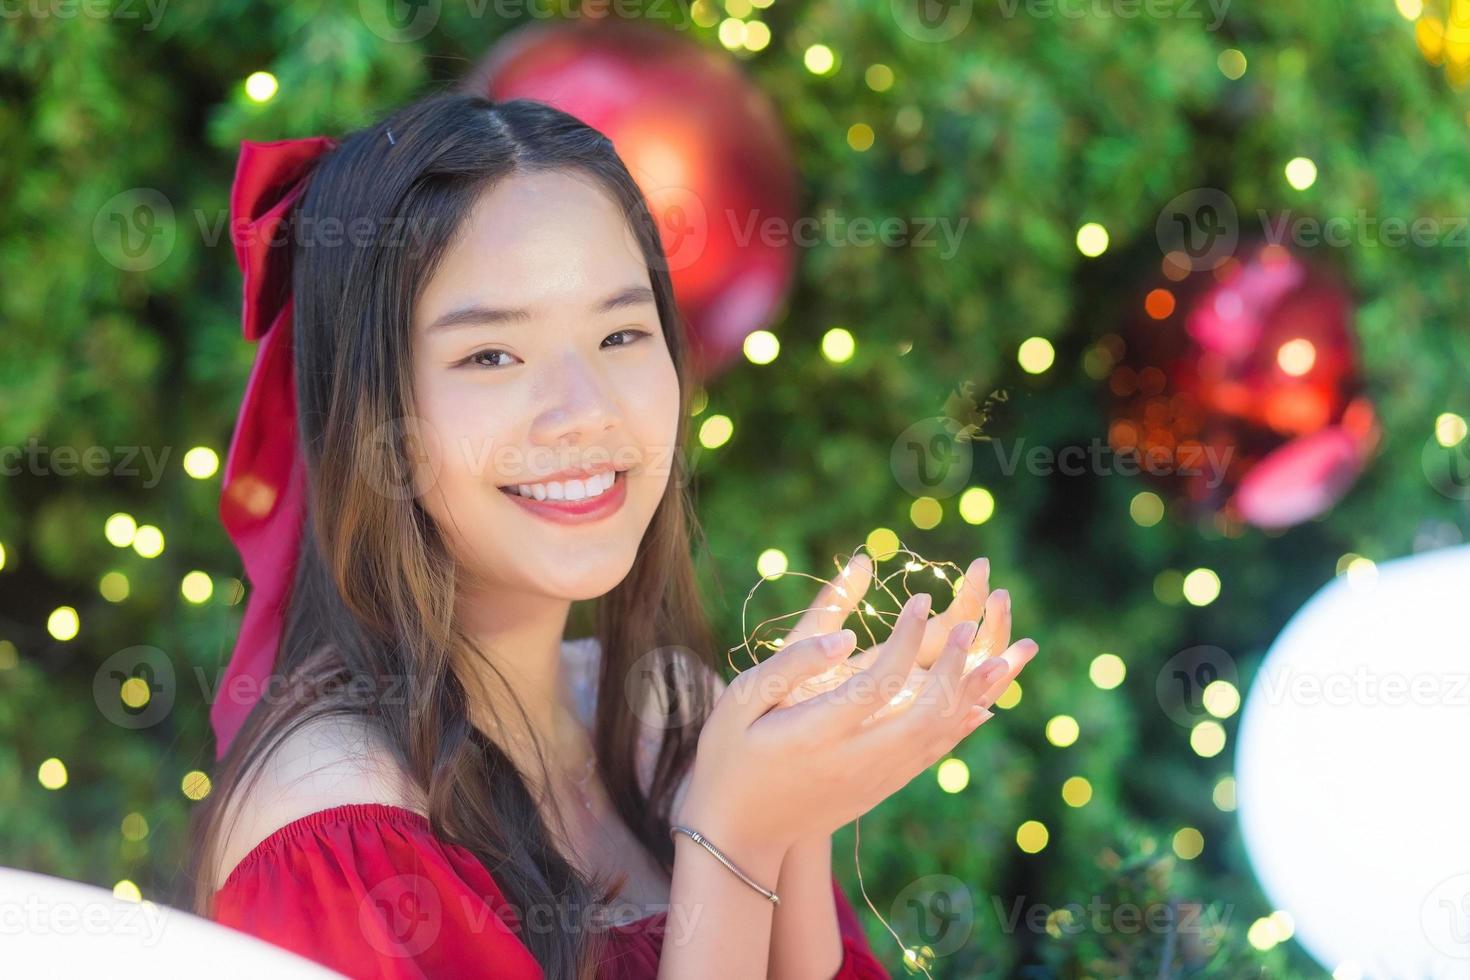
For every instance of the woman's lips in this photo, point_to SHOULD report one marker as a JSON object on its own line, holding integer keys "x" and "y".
{"x": 582, "y": 511}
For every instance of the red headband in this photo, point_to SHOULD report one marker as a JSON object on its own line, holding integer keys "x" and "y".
{"x": 263, "y": 499}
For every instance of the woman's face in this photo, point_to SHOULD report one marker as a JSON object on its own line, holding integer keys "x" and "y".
{"x": 549, "y": 392}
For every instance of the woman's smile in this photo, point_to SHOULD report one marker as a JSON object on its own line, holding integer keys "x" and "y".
{"x": 593, "y": 497}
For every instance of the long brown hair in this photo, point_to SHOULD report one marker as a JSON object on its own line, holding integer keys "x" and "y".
{"x": 371, "y": 609}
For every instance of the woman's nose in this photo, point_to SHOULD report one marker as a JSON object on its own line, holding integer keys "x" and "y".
{"x": 580, "y": 407}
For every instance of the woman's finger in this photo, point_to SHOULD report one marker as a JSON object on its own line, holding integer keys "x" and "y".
{"x": 757, "y": 689}
{"x": 867, "y": 691}
{"x": 1015, "y": 658}
{"x": 836, "y": 600}
{"x": 968, "y": 603}
{"x": 995, "y": 628}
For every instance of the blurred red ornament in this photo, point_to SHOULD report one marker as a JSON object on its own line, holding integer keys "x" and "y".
{"x": 704, "y": 145}
{"x": 1245, "y": 396}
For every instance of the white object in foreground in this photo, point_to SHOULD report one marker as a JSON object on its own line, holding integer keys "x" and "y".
{"x": 1354, "y": 800}
{"x": 58, "y": 928}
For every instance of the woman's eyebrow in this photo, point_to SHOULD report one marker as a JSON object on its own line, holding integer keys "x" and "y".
{"x": 628, "y": 296}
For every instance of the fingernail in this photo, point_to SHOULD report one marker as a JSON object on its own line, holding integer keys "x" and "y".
{"x": 919, "y": 604}
{"x": 964, "y": 634}
{"x": 833, "y": 644}
{"x": 980, "y": 719}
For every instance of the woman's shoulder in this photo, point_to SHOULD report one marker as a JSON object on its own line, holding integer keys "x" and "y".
{"x": 324, "y": 766}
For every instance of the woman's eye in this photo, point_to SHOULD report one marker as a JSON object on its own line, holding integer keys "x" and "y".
{"x": 628, "y": 336}
{"x": 479, "y": 358}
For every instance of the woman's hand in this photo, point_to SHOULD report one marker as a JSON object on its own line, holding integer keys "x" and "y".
{"x": 764, "y": 778}
{"x": 840, "y": 596}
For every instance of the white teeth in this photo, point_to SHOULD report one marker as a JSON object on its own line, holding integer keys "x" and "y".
{"x": 593, "y": 486}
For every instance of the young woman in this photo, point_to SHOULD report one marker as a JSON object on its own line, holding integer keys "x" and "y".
{"x": 488, "y": 402}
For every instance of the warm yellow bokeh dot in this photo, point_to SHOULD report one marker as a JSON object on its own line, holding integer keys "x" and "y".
{"x": 63, "y": 623}
{"x": 9, "y": 655}
{"x": 738, "y": 8}
{"x": 838, "y": 345}
{"x": 1232, "y": 63}
{"x": 1283, "y": 923}
{"x": 860, "y": 137}
{"x": 1077, "y": 791}
{"x": 1032, "y": 836}
{"x": 1221, "y": 699}
{"x": 757, "y": 36}
{"x": 1301, "y": 173}
{"x": 52, "y": 773}
{"x": 1107, "y": 670}
{"x": 1224, "y": 794}
{"x": 771, "y": 562}
{"x": 1062, "y": 731}
{"x": 819, "y": 59}
{"x": 1450, "y": 429}
{"x": 1261, "y": 934}
{"x": 1201, "y": 587}
{"x": 1362, "y": 574}
{"x": 1146, "y": 508}
{"x": 976, "y": 505}
{"x": 715, "y": 431}
{"x": 1296, "y": 357}
{"x": 1010, "y": 697}
{"x": 114, "y": 587}
{"x": 1207, "y": 738}
{"x": 148, "y": 541}
{"x": 703, "y": 13}
{"x": 761, "y": 347}
{"x": 197, "y": 587}
{"x": 134, "y": 826}
{"x": 1035, "y": 355}
{"x": 195, "y": 784}
{"x": 261, "y": 86}
{"x": 126, "y": 891}
{"x": 201, "y": 462}
{"x": 120, "y": 529}
{"x": 1092, "y": 239}
{"x": 2, "y": 557}
{"x": 953, "y": 775}
{"x": 135, "y": 692}
{"x": 879, "y": 77}
{"x": 925, "y": 512}
{"x": 1410, "y": 9}
{"x": 882, "y": 543}
{"x": 732, "y": 33}
{"x": 1188, "y": 843}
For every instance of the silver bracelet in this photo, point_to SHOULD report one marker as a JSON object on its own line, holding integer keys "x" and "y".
{"x": 708, "y": 845}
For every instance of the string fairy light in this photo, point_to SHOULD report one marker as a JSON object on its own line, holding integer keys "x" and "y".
{"x": 875, "y": 616}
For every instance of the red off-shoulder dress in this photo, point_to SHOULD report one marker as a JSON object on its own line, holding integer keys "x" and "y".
{"x": 366, "y": 889}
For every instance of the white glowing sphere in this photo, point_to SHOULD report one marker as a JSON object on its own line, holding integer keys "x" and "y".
{"x": 1354, "y": 800}
{"x": 51, "y": 927}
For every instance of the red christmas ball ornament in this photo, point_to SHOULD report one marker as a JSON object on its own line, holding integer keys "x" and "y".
{"x": 1239, "y": 386}
{"x": 703, "y": 143}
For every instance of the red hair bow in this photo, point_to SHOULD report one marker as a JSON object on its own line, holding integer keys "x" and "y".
{"x": 263, "y": 499}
